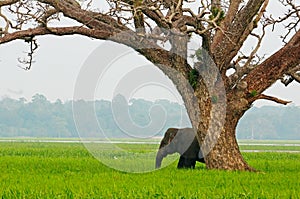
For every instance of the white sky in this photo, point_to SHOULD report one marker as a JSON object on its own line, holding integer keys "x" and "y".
{"x": 59, "y": 60}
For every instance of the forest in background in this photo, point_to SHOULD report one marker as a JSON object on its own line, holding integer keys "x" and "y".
{"x": 42, "y": 118}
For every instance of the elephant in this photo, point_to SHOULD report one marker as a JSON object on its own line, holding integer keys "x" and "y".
{"x": 182, "y": 141}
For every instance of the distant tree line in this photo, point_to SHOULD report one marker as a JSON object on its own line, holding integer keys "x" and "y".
{"x": 37, "y": 118}
{"x": 42, "y": 118}
{"x": 270, "y": 122}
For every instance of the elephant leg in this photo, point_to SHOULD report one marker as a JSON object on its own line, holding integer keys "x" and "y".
{"x": 193, "y": 163}
{"x": 181, "y": 162}
{"x": 185, "y": 162}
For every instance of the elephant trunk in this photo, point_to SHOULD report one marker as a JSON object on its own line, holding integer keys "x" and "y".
{"x": 159, "y": 158}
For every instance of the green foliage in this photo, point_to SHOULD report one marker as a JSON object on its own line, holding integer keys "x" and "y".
{"x": 138, "y": 2}
{"x": 48, "y": 170}
{"x": 253, "y": 93}
{"x": 199, "y": 54}
{"x": 193, "y": 78}
{"x": 214, "y": 99}
{"x": 215, "y": 12}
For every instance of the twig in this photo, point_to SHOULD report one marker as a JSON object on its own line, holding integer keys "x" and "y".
{"x": 33, "y": 48}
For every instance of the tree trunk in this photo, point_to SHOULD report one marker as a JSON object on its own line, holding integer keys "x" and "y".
{"x": 226, "y": 153}
{"x": 220, "y": 113}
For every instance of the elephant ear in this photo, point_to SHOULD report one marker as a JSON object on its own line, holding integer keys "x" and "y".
{"x": 168, "y": 137}
{"x": 172, "y": 135}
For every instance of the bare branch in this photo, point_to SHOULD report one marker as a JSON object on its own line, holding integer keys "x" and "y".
{"x": 7, "y": 21}
{"x": 99, "y": 34}
{"x": 33, "y": 47}
{"x": 292, "y": 17}
{"x": 254, "y": 51}
{"x": 45, "y": 18}
{"x": 274, "y": 99}
{"x": 138, "y": 18}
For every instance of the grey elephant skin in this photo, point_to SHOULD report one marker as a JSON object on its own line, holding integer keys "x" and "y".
{"x": 182, "y": 141}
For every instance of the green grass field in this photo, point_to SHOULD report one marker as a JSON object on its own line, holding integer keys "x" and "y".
{"x": 68, "y": 170}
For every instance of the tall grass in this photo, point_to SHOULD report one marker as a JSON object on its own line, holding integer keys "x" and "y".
{"x": 48, "y": 170}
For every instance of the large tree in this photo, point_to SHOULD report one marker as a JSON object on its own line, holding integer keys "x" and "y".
{"x": 222, "y": 81}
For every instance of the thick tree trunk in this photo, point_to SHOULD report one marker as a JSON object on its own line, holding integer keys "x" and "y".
{"x": 217, "y": 137}
{"x": 226, "y": 153}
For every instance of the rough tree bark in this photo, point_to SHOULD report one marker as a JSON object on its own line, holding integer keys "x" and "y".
{"x": 215, "y": 101}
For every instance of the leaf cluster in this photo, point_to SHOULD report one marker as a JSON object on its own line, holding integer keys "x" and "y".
{"x": 217, "y": 13}
{"x": 193, "y": 78}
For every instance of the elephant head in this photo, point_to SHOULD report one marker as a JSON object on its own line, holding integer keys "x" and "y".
{"x": 182, "y": 141}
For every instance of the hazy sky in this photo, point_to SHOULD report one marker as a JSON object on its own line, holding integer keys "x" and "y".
{"x": 59, "y": 60}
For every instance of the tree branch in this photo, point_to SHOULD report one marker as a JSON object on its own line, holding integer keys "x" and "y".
{"x": 232, "y": 41}
{"x": 22, "y": 34}
{"x": 274, "y": 99}
{"x": 138, "y": 18}
{"x": 293, "y": 12}
{"x": 7, "y": 2}
{"x": 33, "y": 47}
{"x": 273, "y": 68}
{"x": 88, "y": 18}
{"x": 296, "y": 77}
{"x": 230, "y": 15}
{"x": 157, "y": 17}
{"x": 293, "y": 74}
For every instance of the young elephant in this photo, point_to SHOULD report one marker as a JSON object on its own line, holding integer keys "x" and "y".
{"x": 185, "y": 143}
